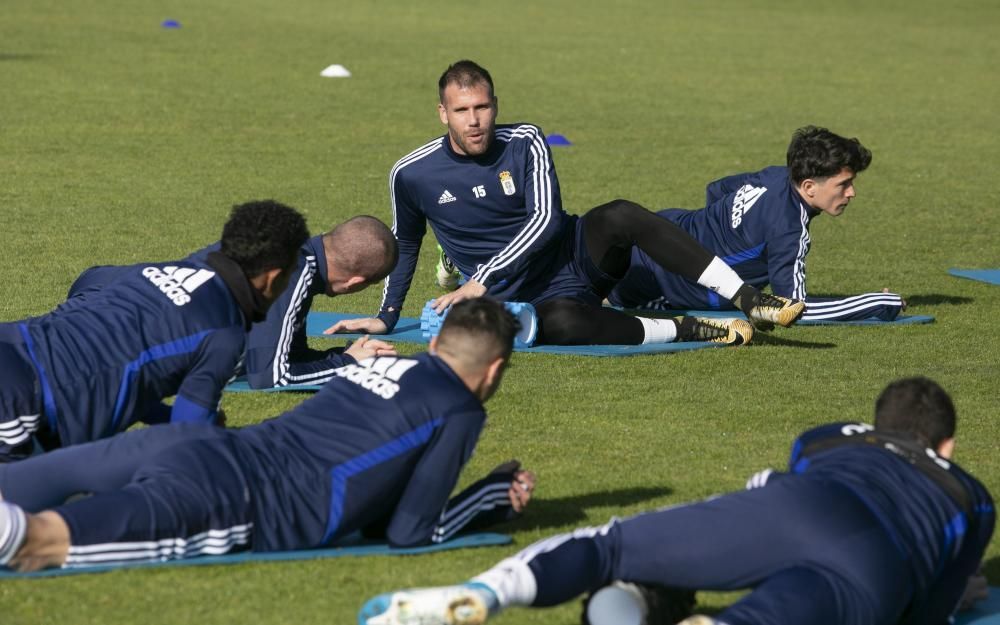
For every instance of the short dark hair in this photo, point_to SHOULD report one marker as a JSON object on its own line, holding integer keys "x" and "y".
{"x": 262, "y": 235}
{"x": 818, "y": 153}
{"x": 465, "y": 74}
{"x": 484, "y": 320}
{"x": 363, "y": 246}
{"x": 917, "y": 407}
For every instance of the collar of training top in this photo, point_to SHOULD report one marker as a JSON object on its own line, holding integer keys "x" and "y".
{"x": 909, "y": 450}
{"x": 251, "y": 302}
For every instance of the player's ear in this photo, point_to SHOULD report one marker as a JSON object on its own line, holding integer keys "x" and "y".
{"x": 434, "y": 344}
{"x": 808, "y": 187}
{"x": 442, "y": 113}
{"x": 271, "y": 283}
{"x": 946, "y": 448}
{"x": 494, "y": 371}
{"x": 350, "y": 285}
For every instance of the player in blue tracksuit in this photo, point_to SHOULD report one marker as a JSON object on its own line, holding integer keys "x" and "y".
{"x": 491, "y": 195}
{"x": 869, "y": 526}
{"x": 378, "y": 449}
{"x": 106, "y": 359}
{"x": 349, "y": 258}
{"x": 758, "y": 223}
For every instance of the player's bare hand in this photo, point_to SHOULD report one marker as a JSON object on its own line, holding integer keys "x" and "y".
{"x": 369, "y": 325}
{"x": 901, "y": 298}
{"x": 367, "y": 347}
{"x": 521, "y": 489}
{"x": 976, "y": 589}
{"x": 469, "y": 290}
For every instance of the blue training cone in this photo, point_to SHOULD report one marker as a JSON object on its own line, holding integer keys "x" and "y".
{"x": 557, "y": 139}
{"x": 171, "y": 24}
{"x": 430, "y": 322}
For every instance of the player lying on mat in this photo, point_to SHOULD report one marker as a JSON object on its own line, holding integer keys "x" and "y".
{"x": 378, "y": 449}
{"x": 491, "y": 195}
{"x": 869, "y": 526}
{"x": 107, "y": 358}
{"x": 758, "y": 222}
{"x": 347, "y": 259}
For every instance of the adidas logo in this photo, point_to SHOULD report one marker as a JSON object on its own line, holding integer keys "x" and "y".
{"x": 378, "y": 375}
{"x": 178, "y": 283}
{"x": 446, "y": 197}
{"x": 745, "y": 198}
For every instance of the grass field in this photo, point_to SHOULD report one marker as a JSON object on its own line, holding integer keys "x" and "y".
{"x": 123, "y": 141}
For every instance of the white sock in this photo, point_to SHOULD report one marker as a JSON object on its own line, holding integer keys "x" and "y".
{"x": 13, "y": 528}
{"x": 721, "y": 278}
{"x": 512, "y": 581}
{"x": 658, "y": 330}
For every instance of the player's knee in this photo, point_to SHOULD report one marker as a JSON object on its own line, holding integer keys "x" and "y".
{"x": 617, "y": 215}
{"x": 561, "y": 323}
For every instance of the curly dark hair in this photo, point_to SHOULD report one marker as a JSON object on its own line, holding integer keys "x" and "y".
{"x": 818, "y": 153}
{"x": 916, "y": 407}
{"x": 465, "y": 74}
{"x": 262, "y": 235}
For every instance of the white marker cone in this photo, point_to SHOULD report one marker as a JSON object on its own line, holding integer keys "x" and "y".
{"x": 335, "y": 71}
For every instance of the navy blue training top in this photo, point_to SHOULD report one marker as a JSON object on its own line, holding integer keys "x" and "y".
{"x": 498, "y": 216}
{"x": 385, "y": 438}
{"x": 107, "y": 356}
{"x": 942, "y": 534}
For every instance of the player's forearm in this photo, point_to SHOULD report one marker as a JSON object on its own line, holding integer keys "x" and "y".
{"x": 397, "y": 285}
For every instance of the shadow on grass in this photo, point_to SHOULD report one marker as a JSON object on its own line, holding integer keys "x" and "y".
{"x": 562, "y": 511}
{"x": 763, "y": 338}
{"x": 936, "y": 299}
{"x": 9, "y": 56}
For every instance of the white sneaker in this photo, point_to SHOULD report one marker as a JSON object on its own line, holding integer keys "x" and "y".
{"x": 446, "y": 274}
{"x": 446, "y": 605}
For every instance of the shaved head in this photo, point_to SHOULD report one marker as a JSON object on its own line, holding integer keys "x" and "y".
{"x": 362, "y": 246}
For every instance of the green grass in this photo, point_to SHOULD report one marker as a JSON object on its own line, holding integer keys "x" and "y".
{"x": 122, "y": 141}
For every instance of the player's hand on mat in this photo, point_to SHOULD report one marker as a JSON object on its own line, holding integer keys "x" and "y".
{"x": 469, "y": 290}
{"x": 976, "y": 589}
{"x": 901, "y": 297}
{"x": 367, "y": 347}
{"x": 521, "y": 489}
{"x": 370, "y": 325}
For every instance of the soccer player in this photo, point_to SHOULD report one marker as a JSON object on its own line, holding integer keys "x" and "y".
{"x": 378, "y": 449}
{"x": 869, "y": 526}
{"x": 107, "y": 358}
{"x": 347, "y": 259}
{"x": 491, "y": 195}
{"x": 758, "y": 223}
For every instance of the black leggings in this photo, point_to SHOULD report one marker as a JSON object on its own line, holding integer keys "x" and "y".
{"x": 611, "y": 231}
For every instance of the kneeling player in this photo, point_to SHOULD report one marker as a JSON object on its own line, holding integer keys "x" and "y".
{"x": 380, "y": 447}
{"x": 869, "y": 526}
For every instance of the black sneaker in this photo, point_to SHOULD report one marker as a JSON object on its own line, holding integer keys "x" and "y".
{"x": 714, "y": 330}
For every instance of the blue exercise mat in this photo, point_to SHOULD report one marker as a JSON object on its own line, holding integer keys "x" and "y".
{"x": 900, "y": 320}
{"x": 240, "y": 385}
{"x": 408, "y": 330}
{"x": 357, "y": 547}
{"x": 985, "y": 613}
{"x": 990, "y": 276}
